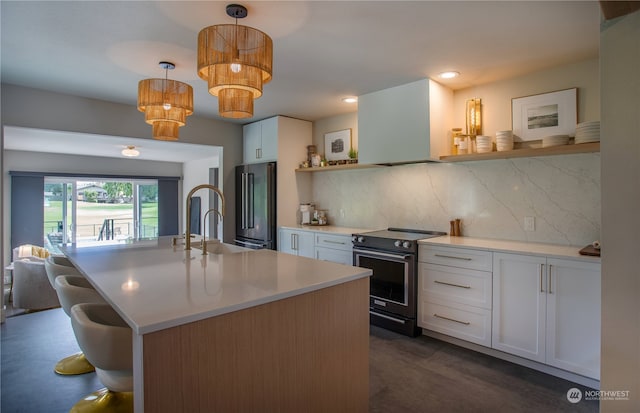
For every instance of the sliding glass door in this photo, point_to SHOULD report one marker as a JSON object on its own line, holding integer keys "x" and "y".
{"x": 146, "y": 207}
{"x": 83, "y": 211}
{"x": 59, "y": 210}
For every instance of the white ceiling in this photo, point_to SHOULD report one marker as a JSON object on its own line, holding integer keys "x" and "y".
{"x": 323, "y": 50}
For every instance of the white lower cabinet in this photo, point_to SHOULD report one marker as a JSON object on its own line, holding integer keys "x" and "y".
{"x": 294, "y": 242}
{"x": 334, "y": 247}
{"x": 455, "y": 299}
{"x": 314, "y": 244}
{"x": 573, "y": 316}
{"x": 548, "y": 310}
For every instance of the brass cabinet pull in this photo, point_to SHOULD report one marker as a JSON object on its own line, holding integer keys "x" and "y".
{"x": 466, "y": 323}
{"x": 451, "y": 284}
{"x": 453, "y": 257}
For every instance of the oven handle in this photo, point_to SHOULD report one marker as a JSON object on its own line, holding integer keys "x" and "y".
{"x": 397, "y": 320}
{"x": 382, "y": 254}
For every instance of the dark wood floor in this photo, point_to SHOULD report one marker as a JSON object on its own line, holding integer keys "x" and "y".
{"x": 406, "y": 374}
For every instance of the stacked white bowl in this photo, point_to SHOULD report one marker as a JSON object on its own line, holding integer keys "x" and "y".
{"x": 484, "y": 144}
{"x": 555, "y": 140}
{"x": 588, "y": 132}
{"x": 504, "y": 140}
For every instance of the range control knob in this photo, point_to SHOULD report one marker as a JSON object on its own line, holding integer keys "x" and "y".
{"x": 354, "y": 239}
{"x": 398, "y": 243}
{"x": 360, "y": 239}
{"x": 406, "y": 244}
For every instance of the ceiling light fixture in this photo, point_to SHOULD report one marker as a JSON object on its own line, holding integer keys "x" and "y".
{"x": 130, "y": 151}
{"x": 449, "y": 75}
{"x": 350, "y": 99}
{"x": 235, "y": 61}
{"x": 166, "y": 104}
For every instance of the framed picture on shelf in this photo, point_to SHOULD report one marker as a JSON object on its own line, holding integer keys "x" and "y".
{"x": 337, "y": 145}
{"x": 554, "y": 113}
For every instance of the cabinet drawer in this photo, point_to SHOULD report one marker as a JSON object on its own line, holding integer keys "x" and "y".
{"x": 342, "y": 242}
{"x": 456, "y": 257}
{"x": 333, "y": 255}
{"x": 458, "y": 285}
{"x": 464, "y": 322}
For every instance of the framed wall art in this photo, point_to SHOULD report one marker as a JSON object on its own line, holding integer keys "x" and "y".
{"x": 554, "y": 113}
{"x": 337, "y": 145}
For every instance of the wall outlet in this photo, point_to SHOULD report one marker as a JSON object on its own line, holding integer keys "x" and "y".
{"x": 342, "y": 213}
{"x": 529, "y": 224}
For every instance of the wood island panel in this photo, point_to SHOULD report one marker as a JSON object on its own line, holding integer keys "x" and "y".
{"x": 305, "y": 353}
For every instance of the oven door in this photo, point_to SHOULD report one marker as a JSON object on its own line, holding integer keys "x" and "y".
{"x": 393, "y": 283}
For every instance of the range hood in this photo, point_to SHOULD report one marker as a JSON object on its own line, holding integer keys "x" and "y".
{"x": 404, "y": 124}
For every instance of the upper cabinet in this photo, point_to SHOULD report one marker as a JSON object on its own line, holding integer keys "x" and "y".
{"x": 403, "y": 124}
{"x": 284, "y": 140}
{"x": 261, "y": 141}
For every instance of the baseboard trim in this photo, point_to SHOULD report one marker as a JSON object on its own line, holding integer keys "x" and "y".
{"x": 563, "y": 374}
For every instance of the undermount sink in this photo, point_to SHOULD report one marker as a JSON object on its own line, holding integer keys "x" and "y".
{"x": 217, "y": 247}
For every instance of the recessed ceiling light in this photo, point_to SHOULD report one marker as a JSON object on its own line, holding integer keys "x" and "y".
{"x": 350, "y": 99}
{"x": 449, "y": 75}
{"x": 130, "y": 151}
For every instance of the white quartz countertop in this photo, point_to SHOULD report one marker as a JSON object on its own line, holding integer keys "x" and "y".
{"x": 548, "y": 250}
{"x": 330, "y": 229}
{"x": 154, "y": 285}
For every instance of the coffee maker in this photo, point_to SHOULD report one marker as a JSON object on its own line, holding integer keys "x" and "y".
{"x": 306, "y": 213}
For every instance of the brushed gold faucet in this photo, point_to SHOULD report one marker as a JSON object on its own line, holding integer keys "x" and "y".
{"x": 187, "y": 237}
{"x": 204, "y": 225}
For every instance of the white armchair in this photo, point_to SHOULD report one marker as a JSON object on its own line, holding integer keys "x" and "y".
{"x": 31, "y": 287}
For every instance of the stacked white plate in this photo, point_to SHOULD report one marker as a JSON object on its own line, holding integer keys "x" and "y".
{"x": 588, "y": 132}
{"x": 484, "y": 144}
{"x": 504, "y": 140}
{"x": 555, "y": 140}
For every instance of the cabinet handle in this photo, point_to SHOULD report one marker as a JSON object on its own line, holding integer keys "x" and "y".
{"x": 328, "y": 241}
{"x": 549, "y": 285}
{"x": 453, "y": 285}
{"x": 466, "y": 323}
{"x": 293, "y": 241}
{"x": 453, "y": 257}
{"x": 541, "y": 281}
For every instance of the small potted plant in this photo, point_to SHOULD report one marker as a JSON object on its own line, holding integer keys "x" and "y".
{"x": 353, "y": 155}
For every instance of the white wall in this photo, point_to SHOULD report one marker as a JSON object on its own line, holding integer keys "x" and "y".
{"x": 491, "y": 197}
{"x": 620, "y": 82}
{"x": 197, "y": 173}
{"x": 496, "y": 97}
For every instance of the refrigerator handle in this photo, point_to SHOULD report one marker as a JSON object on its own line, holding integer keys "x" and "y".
{"x": 243, "y": 194}
{"x": 250, "y": 202}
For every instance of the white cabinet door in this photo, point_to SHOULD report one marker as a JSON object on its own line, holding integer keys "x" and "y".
{"x": 269, "y": 134}
{"x": 519, "y": 305}
{"x": 260, "y": 140}
{"x": 334, "y": 255}
{"x": 296, "y": 242}
{"x": 252, "y": 141}
{"x": 573, "y": 316}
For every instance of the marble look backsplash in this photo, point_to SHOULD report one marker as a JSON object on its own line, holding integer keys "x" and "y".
{"x": 491, "y": 197}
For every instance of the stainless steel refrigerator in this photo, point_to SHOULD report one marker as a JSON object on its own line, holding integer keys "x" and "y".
{"x": 256, "y": 205}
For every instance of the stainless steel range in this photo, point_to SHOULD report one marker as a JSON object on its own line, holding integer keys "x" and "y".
{"x": 392, "y": 255}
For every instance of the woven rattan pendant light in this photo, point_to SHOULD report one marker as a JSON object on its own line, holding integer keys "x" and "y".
{"x": 235, "y": 61}
{"x": 166, "y": 104}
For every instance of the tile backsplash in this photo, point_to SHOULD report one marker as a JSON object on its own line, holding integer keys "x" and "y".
{"x": 492, "y": 197}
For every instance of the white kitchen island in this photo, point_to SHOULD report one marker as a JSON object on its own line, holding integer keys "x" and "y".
{"x": 236, "y": 330}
